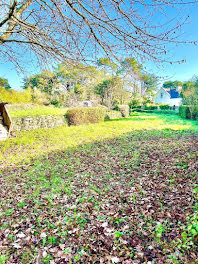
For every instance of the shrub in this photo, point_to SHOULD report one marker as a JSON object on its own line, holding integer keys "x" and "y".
{"x": 13, "y": 96}
{"x": 150, "y": 107}
{"x": 124, "y": 109}
{"x": 164, "y": 107}
{"x": 113, "y": 115}
{"x": 84, "y": 115}
{"x": 56, "y": 103}
{"x": 188, "y": 112}
{"x": 115, "y": 104}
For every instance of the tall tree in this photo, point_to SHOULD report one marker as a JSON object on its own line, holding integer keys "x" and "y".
{"x": 172, "y": 84}
{"x": 4, "y": 83}
{"x": 83, "y": 29}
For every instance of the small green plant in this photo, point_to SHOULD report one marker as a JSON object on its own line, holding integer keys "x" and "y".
{"x": 159, "y": 230}
{"x": 47, "y": 259}
{"x": 21, "y": 204}
{"x": 118, "y": 234}
{"x": 3, "y": 259}
{"x": 189, "y": 234}
{"x": 52, "y": 240}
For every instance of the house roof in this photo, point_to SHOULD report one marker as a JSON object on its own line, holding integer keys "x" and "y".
{"x": 173, "y": 94}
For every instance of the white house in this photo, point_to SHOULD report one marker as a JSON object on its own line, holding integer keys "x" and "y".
{"x": 168, "y": 96}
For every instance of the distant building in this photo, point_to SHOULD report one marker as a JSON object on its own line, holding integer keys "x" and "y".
{"x": 169, "y": 96}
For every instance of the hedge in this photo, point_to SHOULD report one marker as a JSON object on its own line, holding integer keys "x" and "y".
{"x": 188, "y": 112}
{"x": 124, "y": 109}
{"x": 164, "y": 106}
{"x": 164, "y": 112}
{"x": 84, "y": 115}
{"x": 150, "y": 107}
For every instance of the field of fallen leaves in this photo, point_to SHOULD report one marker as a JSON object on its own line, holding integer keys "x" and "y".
{"x": 127, "y": 199}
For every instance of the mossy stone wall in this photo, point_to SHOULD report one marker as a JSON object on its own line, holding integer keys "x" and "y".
{"x": 34, "y": 122}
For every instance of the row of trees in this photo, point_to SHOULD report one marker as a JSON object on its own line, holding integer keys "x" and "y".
{"x": 106, "y": 83}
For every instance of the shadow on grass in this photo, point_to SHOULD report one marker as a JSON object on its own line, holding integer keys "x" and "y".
{"x": 35, "y": 143}
{"x": 136, "y": 136}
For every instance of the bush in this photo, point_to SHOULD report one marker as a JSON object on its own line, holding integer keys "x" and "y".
{"x": 164, "y": 107}
{"x": 124, "y": 109}
{"x": 56, "y": 103}
{"x": 115, "y": 104}
{"x": 188, "y": 112}
{"x": 84, "y": 115}
{"x": 150, "y": 107}
{"x": 113, "y": 115}
{"x": 13, "y": 96}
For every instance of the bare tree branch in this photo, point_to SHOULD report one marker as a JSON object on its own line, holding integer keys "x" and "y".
{"x": 86, "y": 29}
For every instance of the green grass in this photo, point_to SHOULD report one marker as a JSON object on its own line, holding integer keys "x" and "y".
{"x": 42, "y": 110}
{"x": 122, "y": 190}
{"x": 29, "y": 144}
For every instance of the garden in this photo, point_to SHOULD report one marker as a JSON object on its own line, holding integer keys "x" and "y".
{"x": 119, "y": 191}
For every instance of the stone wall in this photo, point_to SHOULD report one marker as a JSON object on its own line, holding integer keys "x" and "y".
{"x": 34, "y": 122}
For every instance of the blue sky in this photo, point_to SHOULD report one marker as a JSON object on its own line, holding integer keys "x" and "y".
{"x": 182, "y": 72}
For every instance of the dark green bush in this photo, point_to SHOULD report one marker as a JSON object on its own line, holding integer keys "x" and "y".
{"x": 124, "y": 109}
{"x": 84, "y": 115}
{"x": 164, "y": 107}
{"x": 188, "y": 112}
{"x": 55, "y": 103}
{"x": 150, "y": 107}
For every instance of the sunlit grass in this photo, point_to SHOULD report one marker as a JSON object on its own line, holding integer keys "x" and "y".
{"x": 29, "y": 144}
{"x": 38, "y": 111}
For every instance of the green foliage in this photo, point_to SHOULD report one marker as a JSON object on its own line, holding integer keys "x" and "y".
{"x": 151, "y": 83}
{"x": 84, "y": 115}
{"x": 132, "y": 64}
{"x": 4, "y": 83}
{"x": 118, "y": 234}
{"x": 46, "y": 81}
{"x": 188, "y": 112}
{"x": 150, "y": 107}
{"x": 159, "y": 230}
{"x": 78, "y": 89}
{"x": 55, "y": 103}
{"x": 106, "y": 62}
{"x": 12, "y": 96}
{"x": 172, "y": 84}
{"x": 189, "y": 234}
{"x": 124, "y": 109}
{"x": 164, "y": 106}
{"x": 3, "y": 259}
{"x": 136, "y": 101}
{"x": 104, "y": 88}
{"x": 112, "y": 114}
{"x": 190, "y": 93}
{"x": 111, "y": 92}
{"x": 115, "y": 104}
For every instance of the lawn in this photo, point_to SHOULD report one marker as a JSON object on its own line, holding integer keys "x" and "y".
{"x": 44, "y": 110}
{"x": 121, "y": 191}
{"x": 29, "y": 144}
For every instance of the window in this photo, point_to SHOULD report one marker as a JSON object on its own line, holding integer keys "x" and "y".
{"x": 161, "y": 95}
